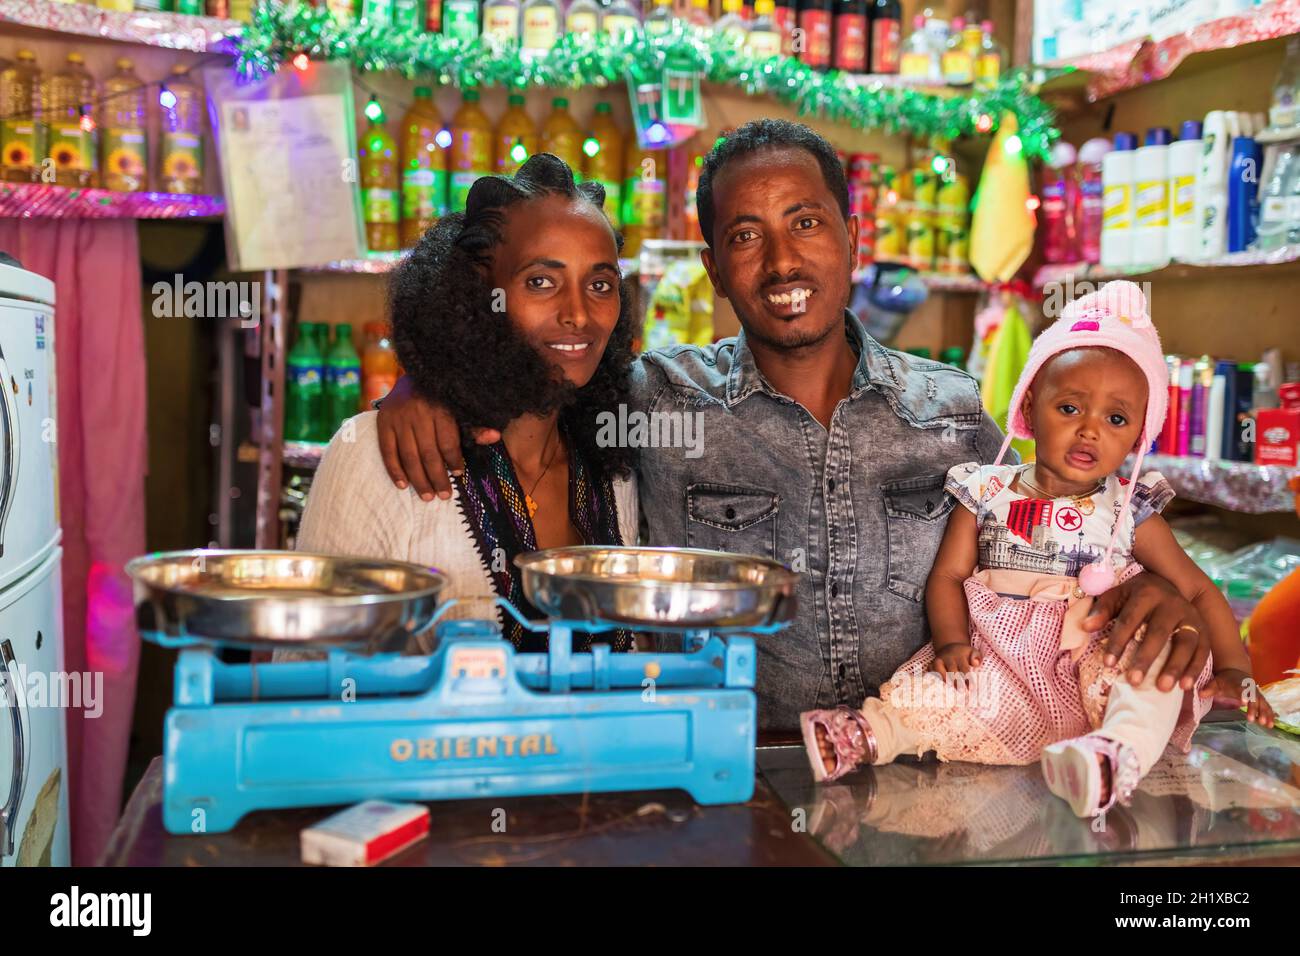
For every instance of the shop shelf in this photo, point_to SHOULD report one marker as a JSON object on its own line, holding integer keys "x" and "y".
{"x": 1078, "y": 271}
{"x": 42, "y": 201}
{"x": 1142, "y": 61}
{"x": 1240, "y": 486}
{"x": 174, "y": 31}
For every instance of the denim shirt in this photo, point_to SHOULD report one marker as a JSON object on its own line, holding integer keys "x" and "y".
{"x": 859, "y": 509}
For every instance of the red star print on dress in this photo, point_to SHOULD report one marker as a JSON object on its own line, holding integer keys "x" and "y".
{"x": 1025, "y": 513}
{"x": 1069, "y": 519}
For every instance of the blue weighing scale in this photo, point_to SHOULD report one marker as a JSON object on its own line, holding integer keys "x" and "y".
{"x": 474, "y": 718}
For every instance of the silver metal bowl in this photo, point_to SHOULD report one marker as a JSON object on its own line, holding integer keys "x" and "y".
{"x": 276, "y": 599}
{"x": 658, "y": 587}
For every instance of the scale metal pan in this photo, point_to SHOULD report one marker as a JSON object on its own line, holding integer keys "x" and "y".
{"x": 277, "y": 599}
{"x": 658, "y": 587}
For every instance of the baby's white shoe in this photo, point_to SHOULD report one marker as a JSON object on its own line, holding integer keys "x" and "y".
{"x": 1074, "y": 773}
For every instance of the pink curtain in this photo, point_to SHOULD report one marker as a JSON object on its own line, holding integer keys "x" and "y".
{"x": 100, "y": 367}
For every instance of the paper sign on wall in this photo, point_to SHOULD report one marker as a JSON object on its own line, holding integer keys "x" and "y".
{"x": 287, "y": 151}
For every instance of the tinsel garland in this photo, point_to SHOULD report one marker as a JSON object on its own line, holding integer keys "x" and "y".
{"x": 279, "y": 32}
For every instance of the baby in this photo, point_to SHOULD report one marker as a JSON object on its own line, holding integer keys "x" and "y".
{"x": 1010, "y": 676}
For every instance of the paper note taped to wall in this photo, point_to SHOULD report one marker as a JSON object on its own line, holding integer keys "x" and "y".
{"x": 287, "y": 151}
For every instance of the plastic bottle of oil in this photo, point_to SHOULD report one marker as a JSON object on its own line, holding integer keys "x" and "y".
{"x": 379, "y": 187}
{"x": 69, "y": 107}
{"x": 516, "y": 137}
{"x": 424, "y": 168}
{"x": 562, "y": 135}
{"x": 22, "y": 129}
{"x": 471, "y": 148}
{"x": 182, "y": 136}
{"x": 645, "y": 195}
{"x": 122, "y": 132}
{"x": 603, "y": 159}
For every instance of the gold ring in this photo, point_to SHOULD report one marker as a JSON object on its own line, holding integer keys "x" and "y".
{"x": 1187, "y": 627}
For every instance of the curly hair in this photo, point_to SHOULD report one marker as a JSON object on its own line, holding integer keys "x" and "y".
{"x": 462, "y": 354}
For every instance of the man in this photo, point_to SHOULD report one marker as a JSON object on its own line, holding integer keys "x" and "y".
{"x": 821, "y": 448}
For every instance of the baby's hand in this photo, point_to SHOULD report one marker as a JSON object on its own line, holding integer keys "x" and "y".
{"x": 1235, "y": 688}
{"x": 957, "y": 658}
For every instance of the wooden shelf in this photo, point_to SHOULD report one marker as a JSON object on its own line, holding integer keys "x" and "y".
{"x": 1089, "y": 271}
{"x": 1142, "y": 61}
{"x": 173, "y": 31}
{"x": 41, "y": 201}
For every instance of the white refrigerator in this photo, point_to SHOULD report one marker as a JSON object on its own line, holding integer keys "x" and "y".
{"x": 36, "y": 691}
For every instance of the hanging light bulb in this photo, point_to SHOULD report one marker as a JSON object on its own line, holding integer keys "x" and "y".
{"x": 591, "y": 146}
{"x": 374, "y": 112}
{"x": 983, "y": 123}
{"x": 166, "y": 98}
{"x": 443, "y": 138}
{"x": 518, "y": 152}
{"x": 656, "y": 133}
{"x": 301, "y": 61}
{"x": 1014, "y": 146}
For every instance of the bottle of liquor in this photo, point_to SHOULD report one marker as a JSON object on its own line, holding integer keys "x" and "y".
{"x": 732, "y": 24}
{"x": 460, "y": 19}
{"x": 619, "y": 19}
{"x": 501, "y": 22}
{"x": 957, "y": 66}
{"x": 886, "y": 35}
{"x": 815, "y": 21}
{"x": 583, "y": 16}
{"x": 541, "y": 27}
{"x": 850, "y": 29}
{"x": 764, "y": 39}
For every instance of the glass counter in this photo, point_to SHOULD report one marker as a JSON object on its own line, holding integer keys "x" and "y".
{"x": 1234, "y": 796}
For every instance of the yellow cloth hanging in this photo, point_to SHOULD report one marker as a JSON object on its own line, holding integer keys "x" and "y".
{"x": 1002, "y": 227}
{"x": 1008, "y": 352}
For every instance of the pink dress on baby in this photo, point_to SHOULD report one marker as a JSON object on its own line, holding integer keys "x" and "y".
{"x": 1042, "y": 679}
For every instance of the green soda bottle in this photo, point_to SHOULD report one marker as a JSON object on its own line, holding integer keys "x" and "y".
{"x": 304, "y": 395}
{"x": 342, "y": 378}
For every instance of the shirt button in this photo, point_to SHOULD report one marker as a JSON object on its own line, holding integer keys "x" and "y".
{"x": 830, "y": 485}
{"x": 731, "y": 513}
{"x": 844, "y": 672}
{"x": 929, "y": 506}
{"x": 835, "y": 590}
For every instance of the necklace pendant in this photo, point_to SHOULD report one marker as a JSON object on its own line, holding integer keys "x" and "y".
{"x": 1085, "y": 505}
{"x": 531, "y": 505}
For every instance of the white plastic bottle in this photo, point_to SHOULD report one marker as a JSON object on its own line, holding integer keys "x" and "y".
{"x": 1117, "y": 172}
{"x": 1184, "y": 161}
{"x": 1212, "y": 185}
{"x": 1151, "y": 198}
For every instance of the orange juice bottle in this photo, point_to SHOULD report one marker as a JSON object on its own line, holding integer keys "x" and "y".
{"x": 562, "y": 135}
{"x": 424, "y": 168}
{"x": 123, "y": 135}
{"x": 516, "y": 137}
{"x": 379, "y": 368}
{"x": 68, "y": 105}
{"x": 22, "y": 130}
{"x": 645, "y": 195}
{"x": 603, "y": 160}
{"x": 379, "y": 187}
{"x": 471, "y": 148}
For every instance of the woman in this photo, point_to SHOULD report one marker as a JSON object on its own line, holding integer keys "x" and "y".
{"x": 511, "y": 315}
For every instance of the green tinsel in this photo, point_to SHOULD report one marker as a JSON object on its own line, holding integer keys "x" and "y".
{"x": 279, "y": 31}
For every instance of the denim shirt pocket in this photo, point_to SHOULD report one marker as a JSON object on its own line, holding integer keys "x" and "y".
{"x": 732, "y": 518}
{"x": 916, "y": 513}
